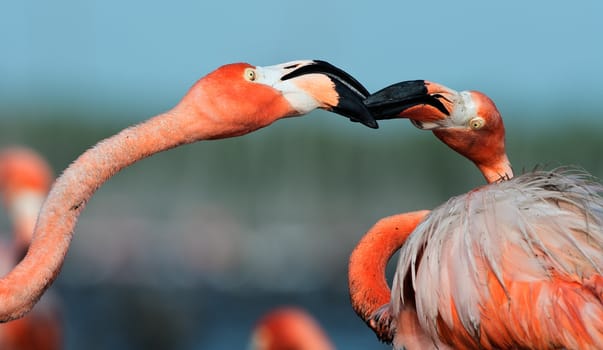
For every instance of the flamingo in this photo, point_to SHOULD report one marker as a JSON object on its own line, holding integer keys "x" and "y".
{"x": 289, "y": 328}
{"x": 514, "y": 264}
{"x": 25, "y": 178}
{"x": 233, "y": 100}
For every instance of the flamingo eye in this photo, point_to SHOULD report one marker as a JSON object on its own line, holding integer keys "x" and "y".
{"x": 250, "y": 74}
{"x": 476, "y": 123}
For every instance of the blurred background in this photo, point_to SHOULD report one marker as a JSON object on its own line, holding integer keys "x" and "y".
{"x": 186, "y": 249}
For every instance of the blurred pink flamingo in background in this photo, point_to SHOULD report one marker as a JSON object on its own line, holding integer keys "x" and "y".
{"x": 25, "y": 178}
{"x": 289, "y": 328}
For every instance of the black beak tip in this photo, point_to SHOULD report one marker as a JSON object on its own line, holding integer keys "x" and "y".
{"x": 351, "y": 92}
{"x": 356, "y": 112}
{"x": 371, "y": 124}
{"x": 389, "y": 102}
{"x": 351, "y": 106}
{"x": 335, "y": 73}
{"x": 342, "y": 75}
{"x": 402, "y": 91}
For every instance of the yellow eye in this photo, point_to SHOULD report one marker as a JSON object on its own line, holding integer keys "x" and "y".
{"x": 476, "y": 123}
{"x": 249, "y": 74}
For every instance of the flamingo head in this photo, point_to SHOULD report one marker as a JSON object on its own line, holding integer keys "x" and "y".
{"x": 467, "y": 121}
{"x": 21, "y": 171}
{"x": 247, "y": 97}
{"x": 289, "y": 327}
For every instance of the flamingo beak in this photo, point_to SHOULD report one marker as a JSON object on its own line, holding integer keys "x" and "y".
{"x": 350, "y": 92}
{"x": 425, "y": 103}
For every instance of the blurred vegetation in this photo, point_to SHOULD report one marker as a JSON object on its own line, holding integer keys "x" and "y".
{"x": 310, "y": 185}
{"x": 318, "y": 155}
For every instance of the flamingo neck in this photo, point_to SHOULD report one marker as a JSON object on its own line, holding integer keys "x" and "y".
{"x": 498, "y": 171}
{"x": 23, "y": 286}
{"x": 367, "y": 281}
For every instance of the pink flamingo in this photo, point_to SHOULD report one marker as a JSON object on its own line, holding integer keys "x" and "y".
{"x": 515, "y": 264}
{"x": 289, "y": 328}
{"x": 233, "y": 100}
{"x": 25, "y": 179}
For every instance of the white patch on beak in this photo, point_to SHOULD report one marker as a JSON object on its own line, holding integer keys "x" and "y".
{"x": 297, "y": 97}
{"x": 464, "y": 110}
{"x": 425, "y": 125}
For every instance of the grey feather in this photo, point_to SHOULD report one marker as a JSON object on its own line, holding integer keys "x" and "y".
{"x": 545, "y": 221}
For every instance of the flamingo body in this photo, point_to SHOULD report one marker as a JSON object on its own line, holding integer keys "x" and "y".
{"x": 508, "y": 265}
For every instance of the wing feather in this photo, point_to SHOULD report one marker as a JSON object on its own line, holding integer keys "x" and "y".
{"x": 539, "y": 227}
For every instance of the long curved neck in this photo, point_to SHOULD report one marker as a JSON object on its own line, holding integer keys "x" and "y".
{"x": 24, "y": 285}
{"x": 368, "y": 287}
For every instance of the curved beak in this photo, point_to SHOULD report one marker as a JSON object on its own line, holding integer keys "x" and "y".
{"x": 424, "y": 102}
{"x": 348, "y": 96}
